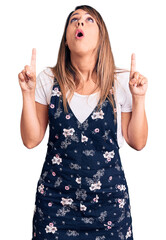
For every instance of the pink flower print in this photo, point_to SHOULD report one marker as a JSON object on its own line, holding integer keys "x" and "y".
{"x": 108, "y": 225}
{"x": 50, "y": 204}
{"x": 40, "y": 188}
{"x": 54, "y": 174}
{"x": 42, "y": 191}
{"x": 56, "y": 159}
{"x": 109, "y": 222}
{"x": 68, "y": 132}
{"x": 51, "y": 224}
{"x": 68, "y": 116}
{"x": 96, "y": 198}
{"x": 56, "y": 92}
{"x": 67, "y": 201}
{"x": 51, "y": 228}
{"x": 48, "y": 229}
{"x": 110, "y": 140}
{"x": 34, "y": 234}
{"x": 66, "y": 187}
{"x": 97, "y": 130}
{"x": 108, "y": 159}
{"x": 121, "y": 202}
{"x": 52, "y": 105}
{"x": 110, "y": 177}
{"x": 121, "y": 187}
{"x": 95, "y": 186}
{"x": 56, "y": 136}
{"x": 109, "y": 155}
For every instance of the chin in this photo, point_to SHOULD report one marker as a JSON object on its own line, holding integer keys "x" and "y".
{"x": 82, "y": 52}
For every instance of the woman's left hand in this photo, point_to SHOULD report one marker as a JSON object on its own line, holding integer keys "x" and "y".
{"x": 137, "y": 83}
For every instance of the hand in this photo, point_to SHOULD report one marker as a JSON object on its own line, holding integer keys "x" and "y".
{"x": 137, "y": 83}
{"x": 27, "y": 78}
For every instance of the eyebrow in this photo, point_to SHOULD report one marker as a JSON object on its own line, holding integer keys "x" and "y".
{"x": 77, "y": 14}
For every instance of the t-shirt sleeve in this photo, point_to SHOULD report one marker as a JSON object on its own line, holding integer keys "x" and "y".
{"x": 44, "y": 82}
{"x": 124, "y": 94}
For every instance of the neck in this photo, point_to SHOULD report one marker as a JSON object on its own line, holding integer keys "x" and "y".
{"x": 85, "y": 65}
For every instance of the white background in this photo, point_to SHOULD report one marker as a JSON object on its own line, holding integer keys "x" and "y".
{"x": 133, "y": 26}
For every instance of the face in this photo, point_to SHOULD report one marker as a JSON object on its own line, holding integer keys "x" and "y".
{"x": 83, "y": 21}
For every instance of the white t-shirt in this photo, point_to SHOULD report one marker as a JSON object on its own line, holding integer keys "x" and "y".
{"x": 82, "y": 105}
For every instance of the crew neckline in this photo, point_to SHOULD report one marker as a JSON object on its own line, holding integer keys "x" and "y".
{"x": 83, "y": 95}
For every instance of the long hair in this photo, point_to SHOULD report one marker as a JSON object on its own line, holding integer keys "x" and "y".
{"x": 69, "y": 77}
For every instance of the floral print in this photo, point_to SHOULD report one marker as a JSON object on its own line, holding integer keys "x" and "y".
{"x": 56, "y": 159}
{"x": 98, "y": 115}
{"x": 68, "y": 132}
{"x": 82, "y": 191}
{"x": 41, "y": 188}
{"x": 66, "y": 201}
{"x": 50, "y": 228}
{"x": 109, "y": 155}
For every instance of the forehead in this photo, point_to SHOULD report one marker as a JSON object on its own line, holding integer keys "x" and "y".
{"x": 80, "y": 12}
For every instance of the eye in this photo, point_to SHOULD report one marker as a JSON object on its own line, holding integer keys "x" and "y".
{"x": 90, "y": 19}
{"x": 72, "y": 20}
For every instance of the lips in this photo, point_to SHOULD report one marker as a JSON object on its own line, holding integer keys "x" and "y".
{"x": 79, "y": 34}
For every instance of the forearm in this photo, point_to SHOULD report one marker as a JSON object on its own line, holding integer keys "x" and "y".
{"x": 138, "y": 126}
{"x": 30, "y": 127}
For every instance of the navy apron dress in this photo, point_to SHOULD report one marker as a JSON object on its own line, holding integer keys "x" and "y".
{"x": 82, "y": 192}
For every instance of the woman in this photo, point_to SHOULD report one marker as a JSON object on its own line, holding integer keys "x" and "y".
{"x": 82, "y": 192}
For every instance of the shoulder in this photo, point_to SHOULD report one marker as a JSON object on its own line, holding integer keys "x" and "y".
{"x": 45, "y": 76}
{"x": 122, "y": 84}
{"x": 123, "y": 94}
{"x": 122, "y": 81}
{"x": 44, "y": 84}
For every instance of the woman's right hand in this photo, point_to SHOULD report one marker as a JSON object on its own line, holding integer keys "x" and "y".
{"x": 27, "y": 77}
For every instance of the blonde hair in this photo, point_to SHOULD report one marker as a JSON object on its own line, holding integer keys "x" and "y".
{"x": 68, "y": 76}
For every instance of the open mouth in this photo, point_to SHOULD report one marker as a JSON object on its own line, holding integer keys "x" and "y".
{"x": 79, "y": 34}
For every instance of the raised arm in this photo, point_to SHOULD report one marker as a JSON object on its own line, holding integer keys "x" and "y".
{"x": 34, "y": 118}
{"x": 134, "y": 125}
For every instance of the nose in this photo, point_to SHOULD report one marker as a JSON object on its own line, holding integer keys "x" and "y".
{"x": 80, "y": 23}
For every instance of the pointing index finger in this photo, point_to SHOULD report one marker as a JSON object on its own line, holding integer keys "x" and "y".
{"x": 133, "y": 65}
{"x": 33, "y": 59}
